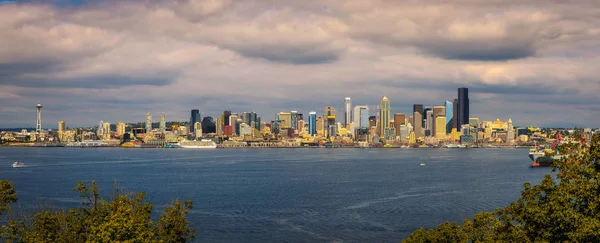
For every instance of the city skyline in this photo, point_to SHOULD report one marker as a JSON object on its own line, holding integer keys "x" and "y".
{"x": 533, "y": 62}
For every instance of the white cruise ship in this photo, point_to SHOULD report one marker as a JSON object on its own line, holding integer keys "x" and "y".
{"x": 202, "y": 144}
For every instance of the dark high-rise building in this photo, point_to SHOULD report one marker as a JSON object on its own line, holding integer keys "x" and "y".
{"x": 226, "y": 115}
{"x": 208, "y": 125}
{"x": 418, "y": 108}
{"x": 463, "y": 106}
{"x": 455, "y": 114}
{"x": 195, "y": 117}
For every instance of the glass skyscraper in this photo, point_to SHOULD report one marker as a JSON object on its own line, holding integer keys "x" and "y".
{"x": 449, "y": 116}
{"x": 195, "y": 117}
{"x": 312, "y": 123}
{"x": 463, "y": 107}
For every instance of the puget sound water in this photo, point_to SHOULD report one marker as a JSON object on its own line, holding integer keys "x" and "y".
{"x": 286, "y": 195}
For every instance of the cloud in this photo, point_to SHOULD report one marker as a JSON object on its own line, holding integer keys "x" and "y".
{"x": 115, "y": 60}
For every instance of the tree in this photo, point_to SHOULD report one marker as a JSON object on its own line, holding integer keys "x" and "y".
{"x": 562, "y": 208}
{"x": 7, "y": 195}
{"x": 124, "y": 218}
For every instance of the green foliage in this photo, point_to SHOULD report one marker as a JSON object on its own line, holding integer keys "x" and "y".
{"x": 7, "y": 195}
{"x": 564, "y": 208}
{"x": 124, "y": 218}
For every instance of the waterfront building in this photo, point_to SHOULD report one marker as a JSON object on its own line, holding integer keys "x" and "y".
{"x": 284, "y": 119}
{"x": 390, "y": 133}
{"x": 312, "y": 123}
{"x": 440, "y": 127}
{"x": 197, "y": 129}
{"x": 347, "y": 111}
{"x": 162, "y": 126}
{"x": 412, "y": 137}
{"x": 294, "y": 120}
{"x": 399, "y": 119}
{"x": 449, "y": 116}
{"x": 384, "y": 114}
{"x": 361, "y": 116}
{"x": 463, "y": 106}
{"x": 61, "y": 126}
{"x": 120, "y": 129}
{"x": 417, "y": 124}
{"x": 148, "y": 122}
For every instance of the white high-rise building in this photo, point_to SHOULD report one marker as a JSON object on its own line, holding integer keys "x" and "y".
{"x": 361, "y": 116}
{"x": 347, "y": 111}
{"x": 384, "y": 115}
{"x": 163, "y": 122}
{"x": 148, "y": 122}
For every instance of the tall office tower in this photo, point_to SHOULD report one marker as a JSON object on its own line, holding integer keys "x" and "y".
{"x": 252, "y": 117}
{"x": 226, "y": 115}
{"x": 449, "y": 116}
{"x": 194, "y": 117}
{"x": 455, "y": 114}
{"x": 61, "y": 126}
{"x": 245, "y": 118}
{"x": 219, "y": 126}
{"x": 312, "y": 123}
{"x": 148, "y": 122}
{"x": 100, "y": 129}
{"x": 320, "y": 126}
{"x": 163, "y": 123}
{"x": 232, "y": 118}
{"x": 106, "y": 129}
{"x": 361, "y": 116}
{"x": 398, "y": 121}
{"x": 384, "y": 115}
{"x": 410, "y": 119}
{"x": 440, "y": 127}
{"x": 510, "y": 134}
{"x": 463, "y": 106}
{"x": 428, "y": 122}
{"x": 120, "y": 129}
{"x": 285, "y": 119}
{"x": 347, "y": 111}
{"x": 438, "y": 111}
{"x": 403, "y": 132}
{"x": 208, "y": 125}
{"x": 197, "y": 129}
{"x": 38, "y": 127}
{"x": 238, "y": 123}
{"x": 294, "y": 120}
{"x": 329, "y": 116}
{"x": 417, "y": 124}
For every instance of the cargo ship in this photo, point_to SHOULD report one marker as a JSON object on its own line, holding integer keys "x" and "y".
{"x": 543, "y": 156}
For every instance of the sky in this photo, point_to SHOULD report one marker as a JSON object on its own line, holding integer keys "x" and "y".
{"x": 533, "y": 61}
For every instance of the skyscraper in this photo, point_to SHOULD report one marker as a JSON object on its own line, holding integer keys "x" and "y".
{"x": 384, "y": 115}
{"x": 226, "y": 115}
{"x": 438, "y": 111}
{"x": 194, "y": 117}
{"x": 361, "y": 116}
{"x": 449, "y": 116}
{"x": 329, "y": 115}
{"x": 455, "y": 114}
{"x": 120, "y": 129}
{"x": 312, "y": 123}
{"x": 232, "y": 119}
{"x": 294, "y": 120}
{"x": 440, "y": 127}
{"x": 398, "y": 121}
{"x": 285, "y": 119}
{"x": 417, "y": 122}
{"x": 463, "y": 106}
{"x": 347, "y": 111}
{"x": 61, "y": 126}
{"x": 163, "y": 123}
{"x": 148, "y": 122}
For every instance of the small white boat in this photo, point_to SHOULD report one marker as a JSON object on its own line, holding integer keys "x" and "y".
{"x": 422, "y": 164}
{"x": 18, "y": 164}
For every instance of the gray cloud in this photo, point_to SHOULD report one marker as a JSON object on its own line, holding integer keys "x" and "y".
{"x": 115, "y": 60}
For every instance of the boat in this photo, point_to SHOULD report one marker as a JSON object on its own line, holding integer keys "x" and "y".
{"x": 451, "y": 146}
{"x": 202, "y": 144}
{"x": 18, "y": 164}
{"x": 422, "y": 164}
{"x": 544, "y": 155}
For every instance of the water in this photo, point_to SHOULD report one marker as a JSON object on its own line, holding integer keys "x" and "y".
{"x": 287, "y": 195}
